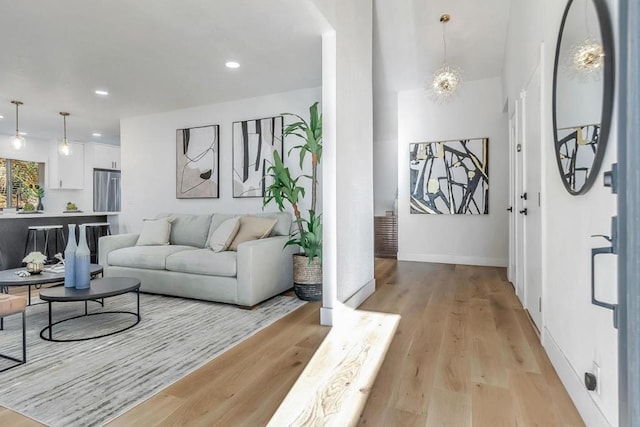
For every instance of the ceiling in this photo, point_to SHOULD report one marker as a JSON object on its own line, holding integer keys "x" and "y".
{"x": 150, "y": 55}
{"x": 161, "y": 55}
{"x": 409, "y": 36}
{"x": 407, "y": 43}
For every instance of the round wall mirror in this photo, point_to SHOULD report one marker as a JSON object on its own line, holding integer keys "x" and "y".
{"x": 583, "y": 84}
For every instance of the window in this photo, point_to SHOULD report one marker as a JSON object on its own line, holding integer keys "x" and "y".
{"x": 18, "y": 180}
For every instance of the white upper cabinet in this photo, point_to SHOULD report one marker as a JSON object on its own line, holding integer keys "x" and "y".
{"x": 106, "y": 156}
{"x": 67, "y": 172}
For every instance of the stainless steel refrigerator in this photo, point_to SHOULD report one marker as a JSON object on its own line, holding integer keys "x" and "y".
{"x": 106, "y": 190}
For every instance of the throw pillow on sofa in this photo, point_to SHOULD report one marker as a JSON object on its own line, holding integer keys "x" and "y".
{"x": 155, "y": 232}
{"x": 252, "y": 228}
{"x": 189, "y": 230}
{"x": 220, "y": 238}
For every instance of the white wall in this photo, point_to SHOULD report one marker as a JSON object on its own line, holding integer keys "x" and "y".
{"x": 463, "y": 239}
{"x": 385, "y": 122}
{"x": 575, "y": 332}
{"x": 385, "y": 148}
{"x": 148, "y": 153}
{"x": 347, "y": 67}
{"x": 385, "y": 174}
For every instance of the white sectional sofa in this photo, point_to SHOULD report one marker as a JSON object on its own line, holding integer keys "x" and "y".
{"x": 259, "y": 270}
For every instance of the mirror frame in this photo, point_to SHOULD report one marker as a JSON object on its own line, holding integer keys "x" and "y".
{"x": 604, "y": 20}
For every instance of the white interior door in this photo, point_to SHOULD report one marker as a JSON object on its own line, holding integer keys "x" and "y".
{"x": 511, "y": 267}
{"x": 519, "y": 204}
{"x": 532, "y": 148}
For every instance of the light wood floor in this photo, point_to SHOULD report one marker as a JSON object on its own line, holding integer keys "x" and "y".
{"x": 464, "y": 354}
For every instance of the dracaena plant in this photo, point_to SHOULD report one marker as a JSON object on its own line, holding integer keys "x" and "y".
{"x": 285, "y": 188}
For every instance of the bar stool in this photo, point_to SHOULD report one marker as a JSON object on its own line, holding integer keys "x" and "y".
{"x": 96, "y": 230}
{"x": 49, "y": 232}
{"x": 13, "y": 304}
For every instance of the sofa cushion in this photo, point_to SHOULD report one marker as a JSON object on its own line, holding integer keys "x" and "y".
{"x": 220, "y": 238}
{"x": 149, "y": 257}
{"x": 203, "y": 261}
{"x": 252, "y": 228}
{"x": 189, "y": 230}
{"x": 283, "y": 226}
{"x": 218, "y": 219}
{"x": 154, "y": 232}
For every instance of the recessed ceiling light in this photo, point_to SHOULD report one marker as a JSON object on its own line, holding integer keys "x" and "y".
{"x": 22, "y": 133}
{"x": 102, "y": 92}
{"x": 232, "y": 64}
{"x": 96, "y": 134}
{"x": 1, "y": 117}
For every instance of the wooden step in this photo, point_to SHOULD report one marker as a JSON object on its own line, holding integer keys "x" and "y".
{"x": 334, "y": 386}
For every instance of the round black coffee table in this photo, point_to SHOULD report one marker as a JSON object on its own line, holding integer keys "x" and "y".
{"x": 10, "y": 278}
{"x": 100, "y": 288}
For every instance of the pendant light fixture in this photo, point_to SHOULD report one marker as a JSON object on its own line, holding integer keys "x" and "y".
{"x": 447, "y": 78}
{"x": 64, "y": 148}
{"x": 587, "y": 57}
{"x": 17, "y": 142}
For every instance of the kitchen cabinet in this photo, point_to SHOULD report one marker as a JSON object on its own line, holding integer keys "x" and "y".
{"x": 67, "y": 172}
{"x": 106, "y": 157}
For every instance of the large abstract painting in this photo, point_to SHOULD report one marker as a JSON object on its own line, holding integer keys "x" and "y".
{"x": 450, "y": 177}
{"x": 254, "y": 142}
{"x": 197, "y": 158}
{"x": 577, "y": 147}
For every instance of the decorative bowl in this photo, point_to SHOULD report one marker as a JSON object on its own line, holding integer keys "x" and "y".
{"x": 35, "y": 267}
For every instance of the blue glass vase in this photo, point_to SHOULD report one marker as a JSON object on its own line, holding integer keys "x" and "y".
{"x": 70, "y": 258}
{"x": 83, "y": 259}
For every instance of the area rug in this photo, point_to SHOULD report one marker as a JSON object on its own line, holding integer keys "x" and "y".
{"x": 89, "y": 383}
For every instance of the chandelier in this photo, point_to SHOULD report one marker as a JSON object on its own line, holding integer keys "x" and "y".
{"x": 17, "y": 142}
{"x": 587, "y": 57}
{"x": 64, "y": 148}
{"x": 447, "y": 78}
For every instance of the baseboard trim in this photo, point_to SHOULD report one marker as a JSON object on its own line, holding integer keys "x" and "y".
{"x": 355, "y": 300}
{"x": 587, "y": 407}
{"x": 326, "y": 316}
{"x": 453, "y": 259}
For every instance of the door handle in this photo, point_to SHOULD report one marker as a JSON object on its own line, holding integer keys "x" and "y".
{"x": 524, "y": 211}
{"x": 524, "y": 196}
{"x": 510, "y": 209}
{"x": 594, "y": 253}
{"x": 608, "y": 250}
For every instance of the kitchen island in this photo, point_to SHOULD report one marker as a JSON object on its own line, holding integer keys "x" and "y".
{"x": 14, "y": 229}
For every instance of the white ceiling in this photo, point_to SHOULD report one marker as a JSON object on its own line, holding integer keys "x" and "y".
{"x": 407, "y": 41}
{"x": 151, "y": 55}
{"x": 159, "y": 55}
{"x": 409, "y": 34}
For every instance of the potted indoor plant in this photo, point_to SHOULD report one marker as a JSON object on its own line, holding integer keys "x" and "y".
{"x": 37, "y": 192}
{"x": 40, "y": 194}
{"x": 307, "y": 233}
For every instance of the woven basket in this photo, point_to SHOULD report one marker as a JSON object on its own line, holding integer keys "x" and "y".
{"x": 307, "y": 278}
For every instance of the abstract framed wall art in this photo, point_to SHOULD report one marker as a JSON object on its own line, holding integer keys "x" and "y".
{"x": 197, "y": 162}
{"x": 449, "y": 177}
{"x": 254, "y": 142}
{"x": 576, "y": 148}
